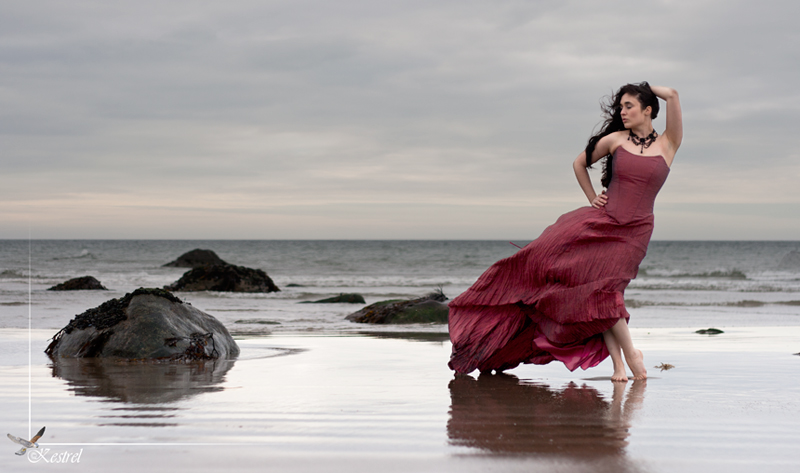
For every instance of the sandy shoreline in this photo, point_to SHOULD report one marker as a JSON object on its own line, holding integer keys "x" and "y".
{"x": 296, "y": 402}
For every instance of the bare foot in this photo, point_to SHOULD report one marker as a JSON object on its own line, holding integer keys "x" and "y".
{"x": 636, "y": 364}
{"x": 619, "y": 376}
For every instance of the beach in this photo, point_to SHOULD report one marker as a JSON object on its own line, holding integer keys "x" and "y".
{"x": 328, "y": 402}
{"x": 311, "y": 391}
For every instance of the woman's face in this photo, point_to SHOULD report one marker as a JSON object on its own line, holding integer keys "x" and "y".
{"x": 631, "y": 111}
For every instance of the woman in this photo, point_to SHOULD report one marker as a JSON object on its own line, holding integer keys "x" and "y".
{"x": 561, "y": 297}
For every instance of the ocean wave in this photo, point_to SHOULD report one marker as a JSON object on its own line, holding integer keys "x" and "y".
{"x": 12, "y": 274}
{"x": 796, "y": 303}
{"x": 19, "y": 274}
{"x": 83, "y": 254}
{"x": 328, "y": 283}
{"x": 718, "y": 274}
{"x": 708, "y": 287}
{"x": 635, "y": 303}
{"x": 746, "y": 303}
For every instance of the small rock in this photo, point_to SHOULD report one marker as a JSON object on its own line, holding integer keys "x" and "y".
{"x": 77, "y": 284}
{"x": 196, "y": 259}
{"x": 709, "y": 331}
{"x": 257, "y": 321}
{"x": 341, "y": 298}
{"x": 224, "y": 278}
{"x": 426, "y": 309}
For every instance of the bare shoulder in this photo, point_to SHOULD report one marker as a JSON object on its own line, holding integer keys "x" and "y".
{"x": 615, "y": 140}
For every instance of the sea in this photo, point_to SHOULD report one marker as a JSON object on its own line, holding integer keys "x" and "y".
{"x": 695, "y": 284}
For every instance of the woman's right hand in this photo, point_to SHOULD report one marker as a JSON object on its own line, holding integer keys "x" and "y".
{"x": 600, "y": 200}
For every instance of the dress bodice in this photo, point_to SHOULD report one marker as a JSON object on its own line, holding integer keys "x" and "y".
{"x": 635, "y": 182}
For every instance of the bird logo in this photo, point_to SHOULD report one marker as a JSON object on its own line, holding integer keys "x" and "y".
{"x": 26, "y": 444}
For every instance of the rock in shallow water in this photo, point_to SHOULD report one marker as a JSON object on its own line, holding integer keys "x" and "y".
{"x": 224, "y": 278}
{"x": 340, "y": 299}
{"x": 709, "y": 331}
{"x": 78, "y": 284}
{"x": 426, "y": 309}
{"x": 195, "y": 259}
{"x": 146, "y": 324}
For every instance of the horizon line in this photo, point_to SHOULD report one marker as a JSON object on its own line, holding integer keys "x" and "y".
{"x": 370, "y": 239}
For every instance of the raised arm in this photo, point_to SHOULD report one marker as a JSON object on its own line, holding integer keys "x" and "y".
{"x": 674, "y": 131}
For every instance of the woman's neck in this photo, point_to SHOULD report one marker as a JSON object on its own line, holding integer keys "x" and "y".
{"x": 643, "y": 130}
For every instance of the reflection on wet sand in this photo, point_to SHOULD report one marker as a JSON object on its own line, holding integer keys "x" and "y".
{"x": 436, "y": 337}
{"x": 498, "y": 414}
{"x": 146, "y": 386}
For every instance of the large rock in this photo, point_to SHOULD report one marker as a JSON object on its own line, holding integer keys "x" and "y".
{"x": 195, "y": 259}
{"x": 146, "y": 324}
{"x": 426, "y": 309}
{"x": 77, "y": 284}
{"x": 225, "y": 278}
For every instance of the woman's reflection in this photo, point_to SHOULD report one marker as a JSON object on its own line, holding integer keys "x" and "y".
{"x": 499, "y": 414}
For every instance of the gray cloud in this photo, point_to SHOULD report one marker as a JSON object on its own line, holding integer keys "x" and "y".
{"x": 286, "y": 119}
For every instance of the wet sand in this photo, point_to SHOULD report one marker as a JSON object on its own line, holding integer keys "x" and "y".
{"x": 388, "y": 403}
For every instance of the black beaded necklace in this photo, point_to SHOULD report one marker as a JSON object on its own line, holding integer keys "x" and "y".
{"x": 643, "y": 142}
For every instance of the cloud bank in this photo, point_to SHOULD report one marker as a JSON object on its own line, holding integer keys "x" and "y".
{"x": 371, "y": 119}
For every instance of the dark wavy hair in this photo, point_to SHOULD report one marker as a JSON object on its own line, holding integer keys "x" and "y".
{"x": 613, "y": 121}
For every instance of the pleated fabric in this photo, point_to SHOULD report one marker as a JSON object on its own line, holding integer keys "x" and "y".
{"x": 553, "y": 299}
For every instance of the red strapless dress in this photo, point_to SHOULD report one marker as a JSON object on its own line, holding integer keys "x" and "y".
{"x": 553, "y": 299}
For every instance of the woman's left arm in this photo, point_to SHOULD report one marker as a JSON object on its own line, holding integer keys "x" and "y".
{"x": 674, "y": 131}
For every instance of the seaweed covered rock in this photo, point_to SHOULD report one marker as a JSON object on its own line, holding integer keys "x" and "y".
{"x": 340, "y": 299}
{"x": 145, "y": 324}
{"x": 427, "y": 309}
{"x": 196, "y": 259}
{"x": 78, "y": 284}
{"x": 225, "y": 278}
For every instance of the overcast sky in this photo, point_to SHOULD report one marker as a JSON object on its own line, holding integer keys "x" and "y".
{"x": 368, "y": 119}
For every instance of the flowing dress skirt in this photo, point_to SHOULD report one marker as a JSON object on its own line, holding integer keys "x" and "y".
{"x": 553, "y": 299}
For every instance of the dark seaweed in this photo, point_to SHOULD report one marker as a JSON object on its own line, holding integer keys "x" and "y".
{"x": 111, "y": 312}
{"x": 196, "y": 349}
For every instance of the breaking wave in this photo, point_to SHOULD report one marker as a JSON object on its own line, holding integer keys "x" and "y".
{"x": 83, "y": 254}
{"x": 635, "y": 303}
{"x": 719, "y": 274}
